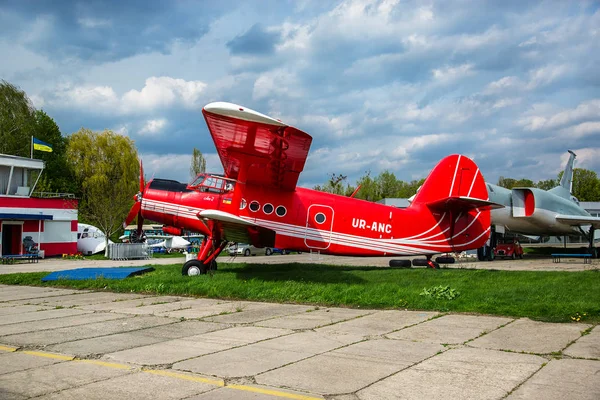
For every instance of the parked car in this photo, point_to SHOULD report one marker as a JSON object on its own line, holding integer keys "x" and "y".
{"x": 509, "y": 249}
{"x": 275, "y": 250}
{"x": 242, "y": 249}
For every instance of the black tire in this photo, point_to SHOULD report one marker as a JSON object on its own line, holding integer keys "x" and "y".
{"x": 193, "y": 268}
{"x": 268, "y": 251}
{"x": 400, "y": 263}
{"x": 514, "y": 256}
{"x": 521, "y": 256}
{"x": 490, "y": 254}
{"x": 480, "y": 255}
{"x": 285, "y": 252}
{"x": 213, "y": 266}
{"x": 445, "y": 260}
{"x": 246, "y": 252}
{"x": 420, "y": 262}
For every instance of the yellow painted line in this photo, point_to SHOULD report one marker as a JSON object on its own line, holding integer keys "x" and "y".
{"x": 216, "y": 382}
{"x": 209, "y": 381}
{"x": 276, "y": 393}
{"x": 48, "y": 355}
{"x": 106, "y": 364}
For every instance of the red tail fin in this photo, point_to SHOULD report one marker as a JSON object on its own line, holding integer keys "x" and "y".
{"x": 456, "y": 189}
{"x": 454, "y": 177}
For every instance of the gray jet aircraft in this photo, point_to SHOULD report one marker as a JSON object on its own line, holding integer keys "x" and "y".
{"x": 533, "y": 211}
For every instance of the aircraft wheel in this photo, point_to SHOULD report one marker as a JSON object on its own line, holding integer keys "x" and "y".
{"x": 514, "y": 256}
{"x": 420, "y": 262}
{"x": 480, "y": 255}
{"x": 490, "y": 255}
{"x": 445, "y": 260}
{"x": 268, "y": 251}
{"x": 213, "y": 266}
{"x": 246, "y": 252}
{"x": 400, "y": 263}
{"x": 193, "y": 268}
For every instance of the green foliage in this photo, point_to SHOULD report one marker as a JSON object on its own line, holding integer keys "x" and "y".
{"x": 106, "y": 169}
{"x": 384, "y": 185}
{"x": 17, "y": 120}
{"x": 440, "y": 292}
{"x": 58, "y": 175}
{"x": 549, "y": 296}
{"x": 546, "y": 184}
{"x": 198, "y": 164}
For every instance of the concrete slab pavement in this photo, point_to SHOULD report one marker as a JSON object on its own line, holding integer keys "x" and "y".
{"x": 588, "y": 346}
{"x": 346, "y": 354}
{"x": 450, "y": 329}
{"x": 525, "y": 335}
{"x": 462, "y": 373}
{"x": 562, "y": 379}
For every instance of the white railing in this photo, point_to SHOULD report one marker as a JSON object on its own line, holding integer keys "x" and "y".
{"x": 129, "y": 251}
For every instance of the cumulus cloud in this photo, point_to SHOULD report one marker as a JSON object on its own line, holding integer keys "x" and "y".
{"x": 157, "y": 93}
{"x": 153, "y": 127}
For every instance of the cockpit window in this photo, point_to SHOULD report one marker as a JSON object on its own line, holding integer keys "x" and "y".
{"x": 211, "y": 183}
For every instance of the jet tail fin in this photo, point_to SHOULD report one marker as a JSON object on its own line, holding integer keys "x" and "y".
{"x": 567, "y": 179}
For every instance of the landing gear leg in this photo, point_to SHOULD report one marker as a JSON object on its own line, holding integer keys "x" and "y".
{"x": 432, "y": 264}
{"x": 593, "y": 250}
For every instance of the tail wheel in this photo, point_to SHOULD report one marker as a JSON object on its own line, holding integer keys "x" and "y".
{"x": 400, "y": 263}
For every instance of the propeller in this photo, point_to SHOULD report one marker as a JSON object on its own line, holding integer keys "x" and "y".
{"x": 136, "y": 209}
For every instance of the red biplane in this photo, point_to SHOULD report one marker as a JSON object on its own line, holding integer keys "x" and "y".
{"x": 257, "y": 201}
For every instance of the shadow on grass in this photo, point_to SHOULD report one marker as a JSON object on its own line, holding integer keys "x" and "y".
{"x": 301, "y": 273}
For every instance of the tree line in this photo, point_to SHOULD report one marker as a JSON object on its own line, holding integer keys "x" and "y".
{"x": 586, "y": 185}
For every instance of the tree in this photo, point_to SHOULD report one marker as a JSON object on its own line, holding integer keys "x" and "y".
{"x": 368, "y": 188}
{"x": 524, "y": 183}
{"x": 17, "y": 120}
{"x": 105, "y": 166}
{"x": 57, "y": 176}
{"x": 387, "y": 185}
{"x": 336, "y": 185}
{"x": 198, "y": 164}
{"x": 507, "y": 183}
{"x": 586, "y": 185}
{"x": 546, "y": 184}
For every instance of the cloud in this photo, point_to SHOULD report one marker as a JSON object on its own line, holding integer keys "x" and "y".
{"x": 157, "y": 93}
{"x": 257, "y": 40}
{"x": 153, "y": 127}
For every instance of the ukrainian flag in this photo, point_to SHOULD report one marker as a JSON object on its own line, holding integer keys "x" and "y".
{"x": 41, "y": 146}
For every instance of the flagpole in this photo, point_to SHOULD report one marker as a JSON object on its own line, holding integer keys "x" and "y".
{"x": 31, "y": 146}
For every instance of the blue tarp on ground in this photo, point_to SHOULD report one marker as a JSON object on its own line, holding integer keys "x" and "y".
{"x": 81, "y": 274}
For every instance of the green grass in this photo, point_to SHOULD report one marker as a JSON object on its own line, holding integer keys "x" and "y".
{"x": 547, "y": 296}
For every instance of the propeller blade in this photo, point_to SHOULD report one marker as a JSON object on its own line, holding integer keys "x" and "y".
{"x": 140, "y": 225}
{"x": 142, "y": 183}
{"x": 135, "y": 209}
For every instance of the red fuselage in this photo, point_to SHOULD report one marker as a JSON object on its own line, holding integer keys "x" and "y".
{"x": 311, "y": 220}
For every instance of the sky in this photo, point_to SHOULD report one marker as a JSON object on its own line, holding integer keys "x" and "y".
{"x": 379, "y": 85}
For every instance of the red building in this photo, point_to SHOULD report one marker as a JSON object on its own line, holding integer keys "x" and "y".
{"x": 48, "y": 219}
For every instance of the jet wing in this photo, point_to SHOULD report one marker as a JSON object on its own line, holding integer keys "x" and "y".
{"x": 579, "y": 220}
{"x": 239, "y": 230}
{"x": 272, "y": 153}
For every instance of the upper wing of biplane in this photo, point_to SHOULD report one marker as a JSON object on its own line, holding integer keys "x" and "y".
{"x": 257, "y": 149}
